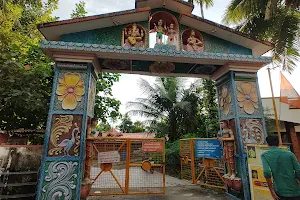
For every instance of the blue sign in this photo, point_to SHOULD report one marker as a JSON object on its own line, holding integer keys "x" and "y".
{"x": 208, "y": 149}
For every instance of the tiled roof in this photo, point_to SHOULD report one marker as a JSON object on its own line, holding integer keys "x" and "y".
{"x": 22, "y": 131}
{"x": 152, "y": 51}
{"x": 94, "y": 17}
{"x": 114, "y": 133}
{"x": 179, "y": 1}
{"x": 225, "y": 28}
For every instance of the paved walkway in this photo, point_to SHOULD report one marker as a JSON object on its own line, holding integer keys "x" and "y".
{"x": 176, "y": 190}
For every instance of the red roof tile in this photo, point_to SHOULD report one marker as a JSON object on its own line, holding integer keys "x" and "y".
{"x": 114, "y": 133}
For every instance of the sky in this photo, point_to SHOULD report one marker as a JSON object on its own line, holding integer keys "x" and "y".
{"x": 127, "y": 88}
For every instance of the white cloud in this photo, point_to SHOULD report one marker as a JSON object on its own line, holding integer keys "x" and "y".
{"x": 93, "y": 7}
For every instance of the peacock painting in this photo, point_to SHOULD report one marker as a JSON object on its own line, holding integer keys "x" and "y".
{"x": 67, "y": 144}
{"x": 65, "y": 135}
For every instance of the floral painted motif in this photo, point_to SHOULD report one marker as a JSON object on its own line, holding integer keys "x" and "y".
{"x": 65, "y": 135}
{"x": 70, "y": 90}
{"x": 247, "y": 96}
{"x": 60, "y": 181}
{"x": 225, "y": 100}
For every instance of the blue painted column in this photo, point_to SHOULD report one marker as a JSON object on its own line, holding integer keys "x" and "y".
{"x": 240, "y": 104}
{"x": 72, "y": 102}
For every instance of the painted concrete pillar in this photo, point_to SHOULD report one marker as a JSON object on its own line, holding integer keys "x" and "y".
{"x": 290, "y": 129}
{"x": 72, "y": 102}
{"x": 240, "y": 104}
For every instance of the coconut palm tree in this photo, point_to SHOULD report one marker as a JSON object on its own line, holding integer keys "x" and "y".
{"x": 276, "y": 21}
{"x": 167, "y": 100}
{"x": 202, "y": 3}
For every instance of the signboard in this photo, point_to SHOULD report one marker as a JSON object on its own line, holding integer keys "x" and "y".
{"x": 108, "y": 157}
{"x": 258, "y": 184}
{"x": 208, "y": 149}
{"x": 152, "y": 147}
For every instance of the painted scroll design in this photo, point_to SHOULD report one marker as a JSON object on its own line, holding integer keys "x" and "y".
{"x": 60, "y": 181}
{"x": 62, "y": 126}
{"x": 252, "y": 131}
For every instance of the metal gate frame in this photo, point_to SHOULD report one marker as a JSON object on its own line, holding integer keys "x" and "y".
{"x": 90, "y": 145}
{"x": 187, "y": 159}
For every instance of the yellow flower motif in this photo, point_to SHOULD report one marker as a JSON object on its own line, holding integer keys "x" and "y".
{"x": 70, "y": 90}
{"x": 225, "y": 100}
{"x": 247, "y": 97}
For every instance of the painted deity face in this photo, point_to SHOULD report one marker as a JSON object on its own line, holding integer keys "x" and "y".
{"x": 94, "y": 123}
{"x": 193, "y": 33}
{"x": 171, "y": 26}
{"x": 129, "y": 31}
{"x": 223, "y": 125}
{"x": 134, "y": 27}
{"x": 160, "y": 22}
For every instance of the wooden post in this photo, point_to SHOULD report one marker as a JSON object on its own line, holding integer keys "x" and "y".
{"x": 181, "y": 157}
{"x": 88, "y": 156}
{"x": 127, "y": 166}
{"x": 192, "y": 142}
{"x": 275, "y": 110}
{"x": 164, "y": 166}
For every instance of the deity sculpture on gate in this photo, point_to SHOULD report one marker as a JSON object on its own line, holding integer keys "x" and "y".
{"x": 160, "y": 31}
{"x": 227, "y": 138}
{"x": 133, "y": 36}
{"x": 91, "y": 129}
{"x": 172, "y": 35}
{"x": 194, "y": 44}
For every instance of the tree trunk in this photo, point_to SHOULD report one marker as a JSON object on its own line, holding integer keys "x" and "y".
{"x": 173, "y": 133}
{"x": 270, "y": 9}
{"x": 201, "y": 8}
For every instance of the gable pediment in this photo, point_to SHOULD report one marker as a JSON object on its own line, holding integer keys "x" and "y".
{"x": 88, "y": 29}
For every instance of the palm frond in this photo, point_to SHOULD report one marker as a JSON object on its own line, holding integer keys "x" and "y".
{"x": 184, "y": 106}
{"x": 239, "y": 10}
{"x": 143, "y": 113}
{"x": 207, "y": 3}
{"x": 281, "y": 28}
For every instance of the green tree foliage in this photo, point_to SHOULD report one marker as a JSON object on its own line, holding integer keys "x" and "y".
{"x": 25, "y": 72}
{"x": 106, "y": 107}
{"x": 138, "y": 127}
{"x": 103, "y": 127}
{"x": 208, "y": 109}
{"x": 170, "y": 107}
{"x": 126, "y": 125}
{"x": 79, "y": 10}
{"x": 159, "y": 127}
{"x": 276, "y": 21}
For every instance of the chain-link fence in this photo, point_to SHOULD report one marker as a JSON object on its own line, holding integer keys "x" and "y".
{"x": 126, "y": 166}
{"x": 206, "y": 172}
